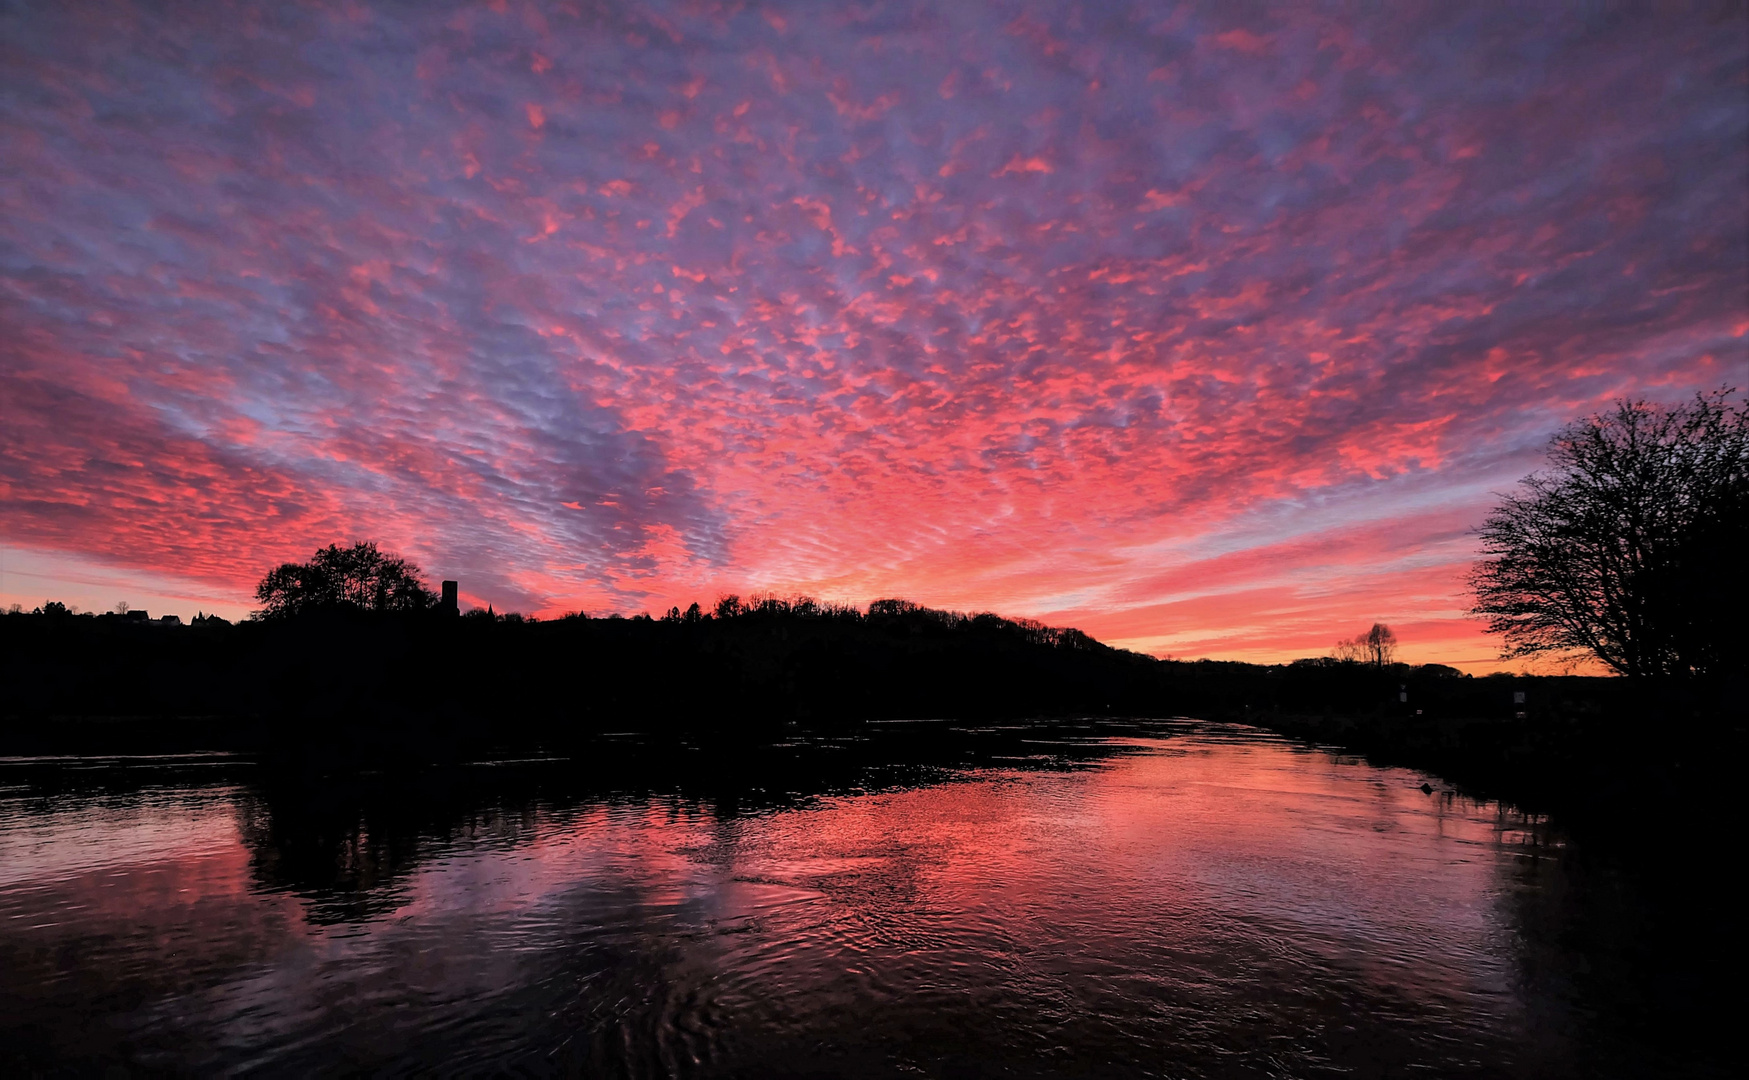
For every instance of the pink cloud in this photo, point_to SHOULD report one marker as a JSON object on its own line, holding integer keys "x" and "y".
{"x": 1230, "y": 368}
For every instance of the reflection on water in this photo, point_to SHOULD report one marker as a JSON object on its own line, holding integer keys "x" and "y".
{"x": 1178, "y": 900}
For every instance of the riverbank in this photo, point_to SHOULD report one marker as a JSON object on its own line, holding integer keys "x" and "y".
{"x": 1610, "y": 773}
{"x": 387, "y": 691}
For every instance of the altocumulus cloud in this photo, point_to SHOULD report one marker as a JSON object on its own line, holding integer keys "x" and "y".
{"x": 1207, "y": 329}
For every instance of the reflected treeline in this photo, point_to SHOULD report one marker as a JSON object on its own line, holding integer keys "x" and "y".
{"x": 344, "y": 838}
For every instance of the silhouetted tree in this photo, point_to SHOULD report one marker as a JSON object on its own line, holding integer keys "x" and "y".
{"x": 356, "y": 577}
{"x": 1377, "y": 647}
{"x": 1631, "y": 546}
{"x": 892, "y": 607}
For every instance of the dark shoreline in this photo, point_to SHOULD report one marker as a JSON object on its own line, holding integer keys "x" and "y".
{"x": 1599, "y": 755}
{"x": 1613, "y": 784}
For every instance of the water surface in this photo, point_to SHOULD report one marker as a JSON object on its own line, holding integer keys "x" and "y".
{"x": 1166, "y": 899}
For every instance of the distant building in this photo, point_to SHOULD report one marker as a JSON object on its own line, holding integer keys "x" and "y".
{"x": 450, "y": 605}
{"x": 170, "y": 620}
{"x": 136, "y": 615}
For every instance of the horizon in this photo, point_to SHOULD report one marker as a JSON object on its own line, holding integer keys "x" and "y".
{"x": 1521, "y": 666}
{"x": 1211, "y": 334}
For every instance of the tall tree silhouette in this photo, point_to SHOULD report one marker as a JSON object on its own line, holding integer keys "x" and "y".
{"x": 1377, "y": 647}
{"x": 1630, "y": 546}
{"x": 358, "y": 577}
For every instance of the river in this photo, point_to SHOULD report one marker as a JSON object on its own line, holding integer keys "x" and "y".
{"x": 1148, "y": 899}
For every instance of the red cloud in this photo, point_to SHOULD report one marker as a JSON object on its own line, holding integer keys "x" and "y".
{"x": 1230, "y": 372}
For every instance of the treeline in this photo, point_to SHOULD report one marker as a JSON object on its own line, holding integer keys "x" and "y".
{"x": 486, "y": 678}
{"x": 740, "y": 669}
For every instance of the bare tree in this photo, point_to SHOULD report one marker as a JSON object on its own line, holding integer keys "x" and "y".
{"x": 1631, "y": 546}
{"x": 357, "y": 577}
{"x": 1377, "y": 647}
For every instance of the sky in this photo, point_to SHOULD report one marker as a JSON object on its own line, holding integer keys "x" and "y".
{"x": 1213, "y": 330}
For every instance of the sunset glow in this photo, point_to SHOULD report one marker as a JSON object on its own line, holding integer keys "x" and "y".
{"x": 1208, "y": 331}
